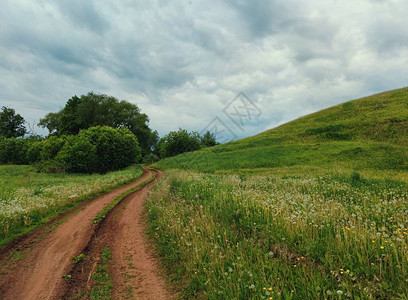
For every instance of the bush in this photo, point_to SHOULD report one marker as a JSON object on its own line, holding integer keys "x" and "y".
{"x": 34, "y": 152}
{"x": 13, "y": 151}
{"x": 51, "y": 147}
{"x": 177, "y": 142}
{"x": 78, "y": 155}
{"x": 51, "y": 166}
{"x": 115, "y": 148}
{"x": 150, "y": 158}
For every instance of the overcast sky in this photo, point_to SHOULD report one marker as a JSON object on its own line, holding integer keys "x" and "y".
{"x": 183, "y": 62}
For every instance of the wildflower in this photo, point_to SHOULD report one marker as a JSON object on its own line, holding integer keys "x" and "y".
{"x": 339, "y": 292}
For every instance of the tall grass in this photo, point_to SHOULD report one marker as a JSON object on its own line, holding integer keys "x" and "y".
{"x": 28, "y": 199}
{"x": 262, "y": 237}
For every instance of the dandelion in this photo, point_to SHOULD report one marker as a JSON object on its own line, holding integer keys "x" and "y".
{"x": 339, "y": 292}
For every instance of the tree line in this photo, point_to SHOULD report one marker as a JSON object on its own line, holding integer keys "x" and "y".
{"x": 92, "y": 133}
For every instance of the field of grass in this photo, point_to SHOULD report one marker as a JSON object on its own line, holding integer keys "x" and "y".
{"x": 29, "y": 199}
{"x": 314, "y": 209}
{"x": 261, "y": 236}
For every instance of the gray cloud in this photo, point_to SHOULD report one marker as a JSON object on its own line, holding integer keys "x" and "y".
{"x": 183, "y": 62}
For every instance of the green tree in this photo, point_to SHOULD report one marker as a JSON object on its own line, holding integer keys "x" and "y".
{"x": 115, "y": 148}
{"x": 208, "y": 139}
{"x": 11, "y": 124}
{"x": 100, "y": 110}
{"x": 79, "y": 155}
{"x": 177, "y": 142}
{"x": 13, "y": 151}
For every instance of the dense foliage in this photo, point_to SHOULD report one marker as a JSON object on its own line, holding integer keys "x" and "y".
{"x": 11, "y": 124}
{"x": 97, "y": 149}
{"x": 13, "y": 151}
{"x": 100, "y": 110}
{"x": 177, "y": 142}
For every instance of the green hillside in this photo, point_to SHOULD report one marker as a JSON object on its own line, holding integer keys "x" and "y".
{"x": 367, "y": 133}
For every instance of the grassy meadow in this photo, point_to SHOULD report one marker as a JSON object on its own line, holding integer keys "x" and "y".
{"x": 29, "y": 199}
{"x": 290, "y": 237}
{"x": 314, "y": 209}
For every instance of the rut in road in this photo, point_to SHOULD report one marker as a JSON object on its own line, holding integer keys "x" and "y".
{"x": 133, "y": 268}
{"x": 49, "y": 255}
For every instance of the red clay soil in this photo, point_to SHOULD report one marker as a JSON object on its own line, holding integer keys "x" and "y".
{"x": 134, "y": 270}
{"x": 39, "y": 274}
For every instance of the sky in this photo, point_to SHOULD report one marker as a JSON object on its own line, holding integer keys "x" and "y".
{"x": 242, "y": 66}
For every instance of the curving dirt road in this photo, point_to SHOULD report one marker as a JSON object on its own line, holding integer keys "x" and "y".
{"x": 48, "y": 255}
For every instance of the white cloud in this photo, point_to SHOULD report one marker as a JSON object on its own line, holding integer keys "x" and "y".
{"x": 183, "y": 61}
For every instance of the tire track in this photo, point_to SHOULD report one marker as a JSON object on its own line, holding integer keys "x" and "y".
{"x": 133, "y": 268}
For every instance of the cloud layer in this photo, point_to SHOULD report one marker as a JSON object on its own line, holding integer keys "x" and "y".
{"x": 182, "y": 62}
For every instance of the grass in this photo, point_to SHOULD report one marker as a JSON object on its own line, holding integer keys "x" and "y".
{"x": 255, "y": 237}
{"x": 103, "y": 283}
{"x": 29, "y": 199}
{"x": 313, "y": 209}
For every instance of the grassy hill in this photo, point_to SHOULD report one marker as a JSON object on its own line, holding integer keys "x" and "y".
{"x": 367, "y": 133}
{"x": 314, "y": 209}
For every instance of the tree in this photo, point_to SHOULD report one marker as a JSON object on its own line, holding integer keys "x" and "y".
{"x": 100, "y": 110}
{"x": 177, "y": 142}
{"x": 13, "y": 151}
{"x": 208, "y": 139}
{"x": 11, "y": 124}
{"x": 115, "y": 148}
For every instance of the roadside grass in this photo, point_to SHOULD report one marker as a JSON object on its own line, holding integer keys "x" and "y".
{"x": 103, "y": 282}
{"x": 250, "y": 236}
{"x": 29, "y": 199}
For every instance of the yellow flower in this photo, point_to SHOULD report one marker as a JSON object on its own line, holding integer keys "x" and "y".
{"x": 381, "y": 247}
{"x": 270, "y": 289}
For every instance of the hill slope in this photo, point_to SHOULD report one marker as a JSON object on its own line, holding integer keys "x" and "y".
{"x": 367, "y": 133}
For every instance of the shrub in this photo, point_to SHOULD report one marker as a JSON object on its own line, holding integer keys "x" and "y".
{"x": 177, "y": 142}
{"x": 13, "y": 151}
{"x": 150, "y": 158}
{"x": 78, "y": 155}
{"x": 51, "y": 147}
{"x": 115, "y": 148}
{"x": 34, "y": 152}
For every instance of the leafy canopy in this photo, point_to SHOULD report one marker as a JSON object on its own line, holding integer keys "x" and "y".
{"x": 100, "y": 110}
{"x": 11, "y": 124}
{"x": 177, "y": 142}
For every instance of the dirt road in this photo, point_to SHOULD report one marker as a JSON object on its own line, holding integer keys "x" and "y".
{"x": 48, "y": 255}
